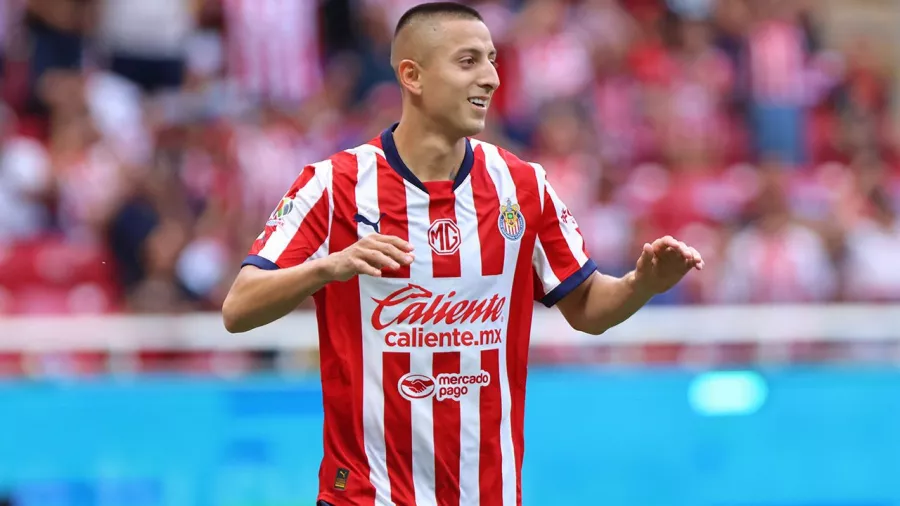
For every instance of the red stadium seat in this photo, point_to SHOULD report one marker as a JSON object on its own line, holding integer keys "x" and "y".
{"x": 52, "y": 276}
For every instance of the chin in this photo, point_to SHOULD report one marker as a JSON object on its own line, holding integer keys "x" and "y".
{"x": 472, "y": 128}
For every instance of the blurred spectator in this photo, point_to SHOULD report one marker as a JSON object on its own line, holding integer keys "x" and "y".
{"x": 547, "y": 46}
{"x": 57, "y": 30}
{"x": 273, "y": 48}
{"x": 25, "y": 183}
{"x": 775, "y": 259}
{"x": 871, "y": 245}
{"x": 374, "y": 53}
{"x": 146, "y": 41}
{"x": 776, "y": 63}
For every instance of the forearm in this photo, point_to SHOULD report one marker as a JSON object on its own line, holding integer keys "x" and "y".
{"x": 610, "y": 301}
{"x": 259, "y": 297}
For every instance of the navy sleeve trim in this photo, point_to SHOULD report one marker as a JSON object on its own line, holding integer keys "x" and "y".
{"x": 570, "y": 283}
{"x": 262, "y": 263}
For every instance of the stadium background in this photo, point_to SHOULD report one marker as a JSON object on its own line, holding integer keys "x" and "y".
{"x": 144, "y": 143}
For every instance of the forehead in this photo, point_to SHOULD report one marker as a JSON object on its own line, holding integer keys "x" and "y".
{"x": 452, "y": 35}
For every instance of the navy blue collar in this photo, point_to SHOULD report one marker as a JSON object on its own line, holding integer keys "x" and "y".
{"x": 394, "y": 160}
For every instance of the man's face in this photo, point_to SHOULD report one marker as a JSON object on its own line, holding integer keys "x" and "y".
{"x": 459, "y": 76}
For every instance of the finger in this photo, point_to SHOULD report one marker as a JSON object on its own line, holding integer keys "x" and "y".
{"x": 364, "y": 268}
{"x": 698, "y": 260}
{"x": 388, "y": 248}
{"x": 378, "y": 260}
{"x": 396, "y": 241}
{"x": 668, "y": 252}
{"x": 672, "y": 258}
{"x": 693, "y": 256}
{"x": 665, "y": 243}
{"x": 646, "y": 257}
{"x": 686, "y": 251}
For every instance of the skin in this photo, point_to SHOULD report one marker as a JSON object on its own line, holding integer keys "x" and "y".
{"x": 440, "y": 63}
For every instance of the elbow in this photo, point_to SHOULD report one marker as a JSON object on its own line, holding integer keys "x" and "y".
{"x": 232, "y": 319}
{"x": 591, "y": 328}
{"x": 594, "y": 330}
{"x": 232, "y": 324}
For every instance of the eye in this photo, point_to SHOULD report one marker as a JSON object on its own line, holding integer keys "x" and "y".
{"x": 468, "y": 61}
{"x": 494, "y": 63}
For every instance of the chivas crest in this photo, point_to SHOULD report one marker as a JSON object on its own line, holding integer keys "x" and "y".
{"x": 511, "y": 221}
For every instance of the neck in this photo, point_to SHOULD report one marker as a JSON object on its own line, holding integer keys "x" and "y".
{"x": 430, "y": 155}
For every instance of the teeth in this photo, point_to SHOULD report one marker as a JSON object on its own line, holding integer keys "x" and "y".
{"x": 477, "y": 101}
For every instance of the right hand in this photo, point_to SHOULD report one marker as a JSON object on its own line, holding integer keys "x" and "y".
{"x": 370, "y": 255}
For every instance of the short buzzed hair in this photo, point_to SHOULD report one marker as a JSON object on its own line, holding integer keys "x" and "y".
{"x": 426, "y": 10}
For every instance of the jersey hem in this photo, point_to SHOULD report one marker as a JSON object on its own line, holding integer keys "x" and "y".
{"x": 262, "y": 263}
{"x": 329, "y": 498}
{"x": 569, "y": 284}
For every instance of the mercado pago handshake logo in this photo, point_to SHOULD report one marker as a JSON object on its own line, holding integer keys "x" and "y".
{"x": 414, "y": 386}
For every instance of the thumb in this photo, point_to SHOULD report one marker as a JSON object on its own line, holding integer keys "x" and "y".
{"x": 646, "y": 259}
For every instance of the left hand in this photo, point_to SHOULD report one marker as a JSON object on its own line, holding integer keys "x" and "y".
{"x": 663, "y": 263}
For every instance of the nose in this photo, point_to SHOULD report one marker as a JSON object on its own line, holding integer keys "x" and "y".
{"x": 490, "y": 79}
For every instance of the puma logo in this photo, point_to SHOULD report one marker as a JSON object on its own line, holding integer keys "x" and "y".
{"x": 374, "y": 224}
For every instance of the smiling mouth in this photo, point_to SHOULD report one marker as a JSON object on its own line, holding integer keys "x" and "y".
{"x": 478, "y": 102}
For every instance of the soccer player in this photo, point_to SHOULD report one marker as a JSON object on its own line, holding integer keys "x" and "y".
{"x": 424, "y": 251}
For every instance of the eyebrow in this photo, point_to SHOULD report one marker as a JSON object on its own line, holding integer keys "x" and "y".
{"x": 475, "y": 50}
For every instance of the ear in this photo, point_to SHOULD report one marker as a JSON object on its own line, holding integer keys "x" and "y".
{"x": 409, "y": 73}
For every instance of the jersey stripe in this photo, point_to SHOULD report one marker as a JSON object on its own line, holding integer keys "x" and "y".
{"x": 392, "y": 202}
{"x": 397, "y": 426}
{"x": 528, "y": 191}
{"x": 487, "y": 206}
{"x": 469, "y": 359}
{"x": 367, "y": 204}
{"x": 417, "y": 208}
{"x": 447, "y": 433}
{"x": 541, "y": 268}
{"x": 490, "y": 457}
{"x": 310, "y": 235}
{"x": 445, "y": 235}
{"x": 399, "y": 435}
{"x": 576, "y": 250}
{"x": 501, "y": 175}
{"x": 325, "y": 169}
{"x": 343, "y": 350}
{"x": 554, "y": 243}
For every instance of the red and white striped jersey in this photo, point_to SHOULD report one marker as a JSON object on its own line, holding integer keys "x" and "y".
{"x": 423, "y": 369}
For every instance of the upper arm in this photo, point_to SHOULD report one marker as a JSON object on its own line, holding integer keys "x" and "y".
{"x": 299, "y": 227}
{"x": 561, "y": 262}
{"x": 574, "y": 304}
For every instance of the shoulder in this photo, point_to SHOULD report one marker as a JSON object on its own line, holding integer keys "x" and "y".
{"x": 529, "y": 178}
{"x": 340, "y": 164}
{"x": 349, "y": 161}
{"x": 509, "y": 160}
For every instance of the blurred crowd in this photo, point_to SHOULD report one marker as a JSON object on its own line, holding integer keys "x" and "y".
{"x": 144, "y": 143}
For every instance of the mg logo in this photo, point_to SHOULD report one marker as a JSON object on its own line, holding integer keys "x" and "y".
{"x": 443, "y": 237}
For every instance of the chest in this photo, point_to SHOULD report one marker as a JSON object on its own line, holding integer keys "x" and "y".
{"x": 456, "y": 233}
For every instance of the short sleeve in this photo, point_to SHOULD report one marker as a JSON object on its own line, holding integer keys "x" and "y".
{"x": 560, "y": 261}
{"x": 298, "y": 228}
